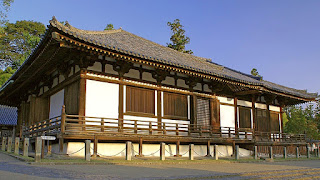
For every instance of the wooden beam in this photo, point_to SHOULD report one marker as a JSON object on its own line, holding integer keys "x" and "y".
{"x": 120, "y": 117}
{"x": 248, "y": 92}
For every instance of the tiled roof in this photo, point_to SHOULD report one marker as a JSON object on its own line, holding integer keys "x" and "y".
{"x": 8, "y": 115}
{"x": 130, "y": 44}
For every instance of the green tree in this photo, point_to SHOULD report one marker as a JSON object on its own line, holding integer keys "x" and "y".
{"x": 17, "y": 42}
{"x": 178, "y": 38}
{"x": 254, "y": 72}
{"x": 5, "y": 75}
{"x": 109, "y": 27}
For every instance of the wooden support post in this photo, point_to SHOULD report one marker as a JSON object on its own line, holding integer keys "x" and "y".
{"x": 82, "y": 98}
{"x": 87, "y": 150}
{"x": 16, "y": 145}
{"x": 38, "y": 148}
{"x": 297, "y": 152}
{"x": 95, "y": 146}
{"x": 63, "y": 119}
{"x": 128, "y": 150}
{"x": 42, "y": 149}
{"x": 308, "y": 151}
{"x": 255, "y": 152}
{"x": 61, "y": 142}
{"x": 216, "y": 152}
{"x": 120, "y": 117}
{"x": 140, "y": 147}
{"x": 236, "y": 116}
{"x": 233, "y": 148}
{"x": 236, "y": 152}
{"x": 318, "y": 151}
{"x": 281, "y": 118}
{"x": 191, "y": 151}
{"x": 178, "y": 149}
{"x": 253, "y": 108}
{"x": 162, "y": 151}
{"x": 9, "y": 144}
{"x": 26, "y": 147}
{"x": 49, "y": 147}
{"x": 270, "y": 152}
{"x": 285, "y": 156}
{"x": 208, "y": 149}
{"x": 4, "y": 143}
{"x": 159, "y": 108}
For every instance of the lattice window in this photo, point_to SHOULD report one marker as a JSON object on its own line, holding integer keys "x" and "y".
{"x": 203, "y": 112}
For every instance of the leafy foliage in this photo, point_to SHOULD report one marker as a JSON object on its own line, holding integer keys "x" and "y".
{"x": 17, "y": 40}
{"x": 254, "y": 72}
{"x": 303, "y": 120}
{"x": 178, "y": 38}
{"x": 5, "y": 75}
{"x": 109, "y": 27}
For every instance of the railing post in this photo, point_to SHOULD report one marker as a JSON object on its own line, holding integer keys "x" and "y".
{"x": 128, "y": 150}
{"x": 63, "y": 119}
{"x": 4, "y": 143}
{"x": 162, "y": 151}
{"x": 255, "y": 152}
{"x": 16, "y": 145}
{"x": 189, "y": 129}
{"x": 150, "y": 128}
{"x": 164, "y": 128}
{"x": 135, "y": 127}
{"x": 177, "y": 129}
{"x": 25, "y": 147}
{"x": 285, "y": 152}
{"x": 87, "y": 150}
{"x": 220, "y": 131}
{"x": 191, "y": 149}
{"x": 38, "y": 148}
{"x": 102, "y": 125}
{"x": 229, "y": 132}
{"x": 216, "y": 152}
{"x": 270, "y": 152}
{"x": 9, "y": 144}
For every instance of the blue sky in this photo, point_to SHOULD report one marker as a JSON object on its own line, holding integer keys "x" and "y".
{"x": 281, "y": 38}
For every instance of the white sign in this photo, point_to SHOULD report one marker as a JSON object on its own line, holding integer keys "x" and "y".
{"x": 49, "y": 138}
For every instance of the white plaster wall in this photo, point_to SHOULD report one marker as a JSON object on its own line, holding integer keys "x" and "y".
{"x": 56, "y": 103}
{"x": 227, "y": 116}
{"x": 109, "y": 69}
{"x": 55, "y": 82}
{"x": 77, "y": 68}
{"x": 198, "y": 87}
{"x": 96, "y": 67}
{"x": 102, "y": 99}
{"x": 225, "y": 100}
{"x": 206, "y": 88}
{"x": 76, "y": 149}
{"x": 182, "y": 83}
{"x": 133, "y": 74}
{"x": 261, "y": 106}
{"x": 148, "y": 77}
{"x": 244, "y": 103}
{"x": 168, "y": 81}
{"x": 61, "y": 78}
{"x": 274, "y": 108}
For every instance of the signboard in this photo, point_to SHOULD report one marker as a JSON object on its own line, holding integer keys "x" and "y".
{"x": 49, "y": 138}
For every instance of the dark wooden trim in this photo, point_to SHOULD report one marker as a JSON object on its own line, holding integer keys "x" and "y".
{"x": 121, "y": 98}
{"x": 235, "y": 104}
{"x": 141, "y": 114}
{"x": 268, "y": 116}
{"x": 82, "y": 95}
{"x": 281, "y": 118}
{"x": 226, "y": 104}
{"x": 175, "y": 118}
{"x": 253, "y": 113}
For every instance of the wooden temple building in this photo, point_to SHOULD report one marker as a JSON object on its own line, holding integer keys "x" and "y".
{"x": 113, "y": 86}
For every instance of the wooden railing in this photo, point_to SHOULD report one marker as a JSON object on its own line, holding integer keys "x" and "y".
{"x": 46, "y": 127}
{"x": 85, "y": 125}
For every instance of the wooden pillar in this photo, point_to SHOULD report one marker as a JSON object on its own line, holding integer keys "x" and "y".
{"x": 233, "y": 148}
{"x": 82, "y": 94}
{"x": 63, "y": 119}
{"x": 120, "y": 117}
{"x": 159, "y": 109}
{"x": 270, "y": 152}
{"x": 162, "y": 151}
{"x": 4, "y": 143}
{"x": 281, "y": 118}
{"x": 268, "y": 117}
{"x": 9, "y": 144}
{"x": 26, "y": 147}
{"x": 236, "y": 116}
{"x": 87, "y": 150}
{"x": 236, "y": 157}
{"x": 16, "y": 145}
{"x": 191, "y": 151}
{"x": 140, "y": 147}
{"x": 285, "y": 152}
{"x": 297, "y": 152}
{"x": 95, "y": 146}
{"x": 61, "y": 142}
{"x": 193, "y": 110}
{"x": 128, "y": 150}
{"x": 253, "y": 112}
{"x": 216, "y": 152}
{"x": 178, "y": 149}
{"x": 38, "y": 149}
{"x": 255, "y": 148}
{"x": 49, "y": 147}
{"x": 208, "y": 149}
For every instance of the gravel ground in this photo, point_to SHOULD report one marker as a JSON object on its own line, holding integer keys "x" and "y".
{"x": 11, "y": 168}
